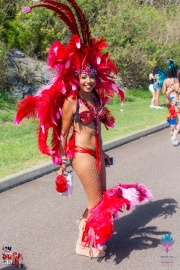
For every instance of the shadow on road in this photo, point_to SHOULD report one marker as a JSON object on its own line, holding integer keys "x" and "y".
{"x": 131, "y": 233}
{"x": 11, "y": 267}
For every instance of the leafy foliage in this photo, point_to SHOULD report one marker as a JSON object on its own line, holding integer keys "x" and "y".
{"x": 3, "y": 55}
{"x": 141, "y": 33}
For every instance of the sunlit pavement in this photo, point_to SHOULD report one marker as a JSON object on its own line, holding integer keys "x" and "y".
{"x": 38, "y": 222}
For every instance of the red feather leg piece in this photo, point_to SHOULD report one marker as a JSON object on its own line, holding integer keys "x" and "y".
{"x": 99, "y": 227}
{"x": 26, "y": 108}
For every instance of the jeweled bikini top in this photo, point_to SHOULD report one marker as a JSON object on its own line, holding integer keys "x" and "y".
{"x": 94, "y": 113}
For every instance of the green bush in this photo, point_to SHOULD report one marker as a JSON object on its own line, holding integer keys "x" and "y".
{"x": 141, "y": 34}
{"x": 3, "y": 57}
{"x": 7, "y": 101}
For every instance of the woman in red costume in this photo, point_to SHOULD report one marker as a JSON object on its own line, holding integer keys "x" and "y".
{"x": 75, "y": 101}
{"x": 175, "y": 108}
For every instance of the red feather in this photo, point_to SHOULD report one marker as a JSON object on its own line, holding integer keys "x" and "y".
{"x": 26, "y": 108}
{"x": 99, "y": 227}
{"x": 61, "y": 15}
{"x": 42, "y": 141}
{"x": 84, "y": 25}
{"x": 68, "y": 12}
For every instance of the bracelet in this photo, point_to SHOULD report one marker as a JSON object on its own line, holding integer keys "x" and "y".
{"x": 63, "y": 157}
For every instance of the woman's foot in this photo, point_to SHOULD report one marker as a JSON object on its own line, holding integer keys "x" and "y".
{"x": 81, "y": 229}
{"x": 100, "y": 247}
{"x": 174, "y": 140}
{"x": 89, "y": 252}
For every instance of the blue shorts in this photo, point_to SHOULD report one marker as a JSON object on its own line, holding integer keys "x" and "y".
{"x": 156, "y": 86}
{"x": 171, "y": 98}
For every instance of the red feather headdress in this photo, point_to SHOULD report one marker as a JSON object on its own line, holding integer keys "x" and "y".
{"x": 82, "y": 54}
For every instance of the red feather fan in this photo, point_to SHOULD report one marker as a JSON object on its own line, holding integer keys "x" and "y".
{"x": 66, "y": 61}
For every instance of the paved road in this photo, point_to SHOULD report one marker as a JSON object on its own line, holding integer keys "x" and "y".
{"x": 42, "y": 225}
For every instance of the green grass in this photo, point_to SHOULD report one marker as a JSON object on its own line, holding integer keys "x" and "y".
{"x": 18, "y": 143}
{"x": 136, "y": 115}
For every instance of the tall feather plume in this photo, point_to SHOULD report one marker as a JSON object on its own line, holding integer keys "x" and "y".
{"x": 61, "y": 15}
{"x": 84, "y": 25}
{"x": 68, "y": 13}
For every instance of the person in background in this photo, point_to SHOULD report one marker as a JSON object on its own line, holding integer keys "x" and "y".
{"x": 170, "y": 81}
{"x": 167, "y": 84}
{"x": 156, "y": 86}
{"x": 151, "y": 89}
{"x": 176, "y": 105}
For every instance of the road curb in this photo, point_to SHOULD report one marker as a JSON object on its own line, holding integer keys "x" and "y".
{"x": 48, "y": 167}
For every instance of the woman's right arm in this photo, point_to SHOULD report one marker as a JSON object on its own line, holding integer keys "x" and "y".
{"x": 164, "y": 88}
{"x": 68, "y": 110}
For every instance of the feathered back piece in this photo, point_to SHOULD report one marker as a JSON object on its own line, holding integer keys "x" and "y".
{"x": 83, "y": 54}
{"x": 172, "y": 67}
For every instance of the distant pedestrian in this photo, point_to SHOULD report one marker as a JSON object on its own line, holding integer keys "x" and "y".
{"x": 170, "y": 81}
{"x": 175, "y": 88}
{"x": 156, "y": 86}
{"x": 151, "y": 89}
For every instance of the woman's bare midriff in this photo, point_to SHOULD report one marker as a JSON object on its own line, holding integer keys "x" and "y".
{"x": 85, "y": 136}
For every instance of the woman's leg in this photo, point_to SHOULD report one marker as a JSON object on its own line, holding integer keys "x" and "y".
{"x": 157, "y": 94}
{"x": 151, "y": 89}
{"x": 153, "y": 98}
{"x": 85, "y": 168}
{"x": 176, "y": 130}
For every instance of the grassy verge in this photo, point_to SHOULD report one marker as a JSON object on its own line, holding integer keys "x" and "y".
{"x": 18, "y": 144}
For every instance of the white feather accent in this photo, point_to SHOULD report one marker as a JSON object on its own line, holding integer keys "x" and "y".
{"x": 98, "y": 60}
{"x": 60, "y": 110}
{"x": 131, "y": 194}
{"x": 58, "y": 115}
{"x": 55, "y": 50}
{"x": 67, "y": 64}
{"x": 78, "y": 45}
{"x": 42, "y": 127}
{"x": 74, "y": 87}
{"x": 114, "y": 87}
